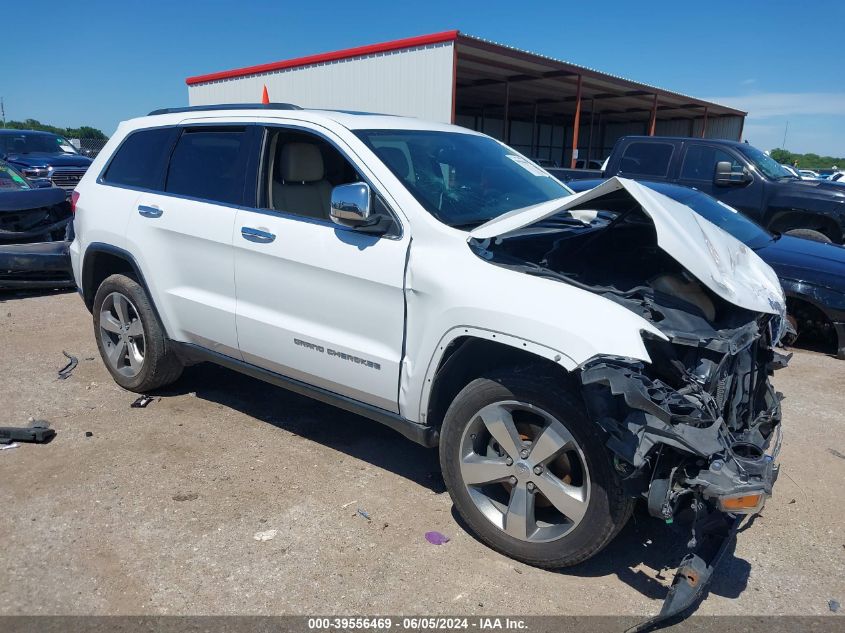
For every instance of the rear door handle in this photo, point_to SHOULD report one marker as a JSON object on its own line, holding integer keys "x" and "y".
{"x": 257, "y": 235}
{"x": 149, "y": 212}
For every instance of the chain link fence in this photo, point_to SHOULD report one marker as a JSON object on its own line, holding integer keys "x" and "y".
{"x": 90, "y": 146}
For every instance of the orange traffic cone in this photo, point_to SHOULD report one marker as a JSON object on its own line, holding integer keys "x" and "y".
{"x": 265, "y": 98}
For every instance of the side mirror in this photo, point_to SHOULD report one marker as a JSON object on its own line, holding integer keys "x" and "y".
{"x": 350, "y": 205}
{"x": 726, "y": 176}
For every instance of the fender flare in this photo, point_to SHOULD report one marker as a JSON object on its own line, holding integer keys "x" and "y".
{"x": 468, "y": 331}
{"x": 87, "y": 274}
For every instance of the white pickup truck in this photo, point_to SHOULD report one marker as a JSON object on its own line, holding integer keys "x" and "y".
{"x": 566, "y": 361}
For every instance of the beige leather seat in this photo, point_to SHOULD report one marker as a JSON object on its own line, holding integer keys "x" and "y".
{"x": 299, "y": 185}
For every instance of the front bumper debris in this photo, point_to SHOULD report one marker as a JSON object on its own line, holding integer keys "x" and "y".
{"x": 713, "y": 535}
{"x": 703, "y": 448}
{"x": 39, "y": 265}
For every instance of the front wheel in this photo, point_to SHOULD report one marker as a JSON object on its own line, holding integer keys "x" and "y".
{"x": 529, "y": 472}
{"x": 810, "y": 234}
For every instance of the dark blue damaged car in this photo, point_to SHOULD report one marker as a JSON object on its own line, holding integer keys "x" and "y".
{"x": 35, "y": 224}
{"x": 812, "y": 273}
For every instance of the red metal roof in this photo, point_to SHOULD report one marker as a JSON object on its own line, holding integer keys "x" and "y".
{"x": 347, "y": 53}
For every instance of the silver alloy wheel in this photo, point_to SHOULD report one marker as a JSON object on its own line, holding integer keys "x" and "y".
{"x": 524, "y": 471}
{"x": 122, "y": 335}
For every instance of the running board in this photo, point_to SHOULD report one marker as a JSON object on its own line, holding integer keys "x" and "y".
{"x": 419, "y": 433}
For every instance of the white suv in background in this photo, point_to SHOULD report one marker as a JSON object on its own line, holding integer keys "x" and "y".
{"x": 568, "y": 353}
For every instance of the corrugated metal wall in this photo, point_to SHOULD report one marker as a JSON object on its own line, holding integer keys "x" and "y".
{"x": 413, "y": 82}
{"x": 727, "y": 127}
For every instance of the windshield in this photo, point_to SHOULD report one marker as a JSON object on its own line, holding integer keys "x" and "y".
{"x": 720, "y": 214}
{"x": 765, "y": 163}
{"x": 463, "y": 180}
{"x": 29, "y": 143}
{"x": 11, "y": 180}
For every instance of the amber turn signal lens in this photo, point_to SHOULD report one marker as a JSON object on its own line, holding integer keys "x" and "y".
{"x": 744, "y": 503}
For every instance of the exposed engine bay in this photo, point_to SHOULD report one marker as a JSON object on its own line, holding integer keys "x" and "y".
{"x": 46, "y": 223}
{"x": 697, "y": 427}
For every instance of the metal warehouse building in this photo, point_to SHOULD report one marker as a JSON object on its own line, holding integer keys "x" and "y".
{"x": 546, "y": 108}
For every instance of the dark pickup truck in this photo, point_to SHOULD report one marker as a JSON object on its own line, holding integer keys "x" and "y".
{"x": 738, "y": 174}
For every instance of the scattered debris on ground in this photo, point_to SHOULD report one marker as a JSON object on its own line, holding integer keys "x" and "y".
{"x": 142, "y": 402}
{"x": 267, "y": 535}
{"x": 5, "y": 447}
{"x": 89, "y": 434}
{"x": 64, "y": 372}
{"x": 39, "y": 432}
{"x": 436, "y": 538}
{"x": 834, "y": 605}
{"x": 185, "y": 496}
{"x": 364, "y": 514}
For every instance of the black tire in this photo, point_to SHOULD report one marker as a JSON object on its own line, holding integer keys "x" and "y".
{"x": 608, "y": 507}
{"x": 810, "y": 234}
{"x": 160, "y": 364}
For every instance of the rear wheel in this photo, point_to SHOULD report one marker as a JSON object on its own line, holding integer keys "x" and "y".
{"x": 529, "y": 472}
{"x": 130, "y": 337}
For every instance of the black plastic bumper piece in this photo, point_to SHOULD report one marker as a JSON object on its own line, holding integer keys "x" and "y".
{"x": 38, "y": 265}
{"x": 38, "y": 433}
{"x": 718, "y": 532}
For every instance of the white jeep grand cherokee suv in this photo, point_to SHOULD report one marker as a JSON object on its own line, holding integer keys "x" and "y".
{"x": 568, "y": 353}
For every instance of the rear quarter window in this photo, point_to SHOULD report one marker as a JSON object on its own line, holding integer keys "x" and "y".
{"x": 646, "y": 159}
{"x": 141, "y": 159}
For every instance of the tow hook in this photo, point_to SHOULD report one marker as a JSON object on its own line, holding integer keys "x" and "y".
{"x": 712, "y": 535}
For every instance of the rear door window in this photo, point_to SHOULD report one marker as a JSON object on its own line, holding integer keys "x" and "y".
{"x": 647, "y": 159}
{"x": 700, "y": 162}
{"x": 141, "y": 159}
{"x": 210, "y": 164}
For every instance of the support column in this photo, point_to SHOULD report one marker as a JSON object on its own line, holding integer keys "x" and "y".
{"x": 454, "y": 81}
{"x": 652, "y": 122}
{"x": 506, "y": 131}
{"x": 704, "y": 124}
{"x": 576, "y": 123}
{"x": 592, "y": 120}
{"x": 535, "y": 136}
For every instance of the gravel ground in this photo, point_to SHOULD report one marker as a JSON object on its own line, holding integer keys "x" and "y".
{"x": 159, "y": 510}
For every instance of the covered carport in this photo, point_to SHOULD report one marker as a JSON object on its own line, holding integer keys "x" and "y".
{"x": 554, "y": 111}
{"x": 559, "y": 112}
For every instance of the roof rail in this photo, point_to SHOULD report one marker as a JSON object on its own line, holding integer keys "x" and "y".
{"x": 227, "y": 106}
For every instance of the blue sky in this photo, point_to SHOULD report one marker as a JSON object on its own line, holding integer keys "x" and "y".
{"x": 96, "y": 63}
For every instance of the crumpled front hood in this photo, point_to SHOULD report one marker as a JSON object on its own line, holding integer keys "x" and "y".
{"x": 718, "y": 260}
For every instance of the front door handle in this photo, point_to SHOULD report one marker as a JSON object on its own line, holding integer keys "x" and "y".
{"x": 257, "y": 235}
{"x": 149, "y": 212}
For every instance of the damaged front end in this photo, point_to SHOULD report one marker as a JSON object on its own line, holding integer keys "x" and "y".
{"x": 701, "y": 421}
{"x": 696, "y": 433}
{"x": 694, "y": 429}
{"x": 35, "y": 231}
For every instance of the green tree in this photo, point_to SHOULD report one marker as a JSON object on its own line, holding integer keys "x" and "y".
{"x": 806, "y": 161}
{"x": 84, "y": 131}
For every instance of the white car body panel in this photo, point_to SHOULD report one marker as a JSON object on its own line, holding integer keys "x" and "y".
{"x": 319, "y": 292}
{"x": 717, "y": 259}
{"x": 186, "y": 255}
{"x": 332, "y": 287}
